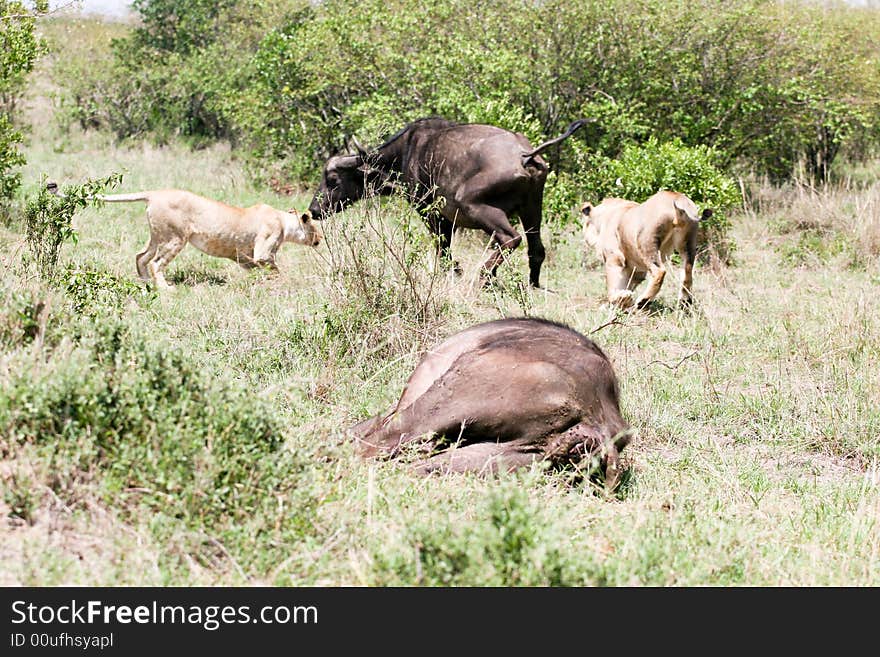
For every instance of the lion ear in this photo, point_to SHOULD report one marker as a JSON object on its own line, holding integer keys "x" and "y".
{"x": 305, "y": 217}
{"x": 586, "y": 208}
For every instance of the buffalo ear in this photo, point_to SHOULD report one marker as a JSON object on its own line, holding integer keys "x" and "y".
{"x": 706, "y": 214}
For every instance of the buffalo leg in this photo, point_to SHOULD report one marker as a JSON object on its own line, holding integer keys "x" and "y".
{"x": 531, "y": 221}
{"x": 470, "y": 201}
{"x": 482, "y": 458}
{"x": 503, "y": 236}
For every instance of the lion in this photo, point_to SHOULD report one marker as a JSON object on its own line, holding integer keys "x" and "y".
{"x": 249, "y": 236}
{"x": 638, "y": 239}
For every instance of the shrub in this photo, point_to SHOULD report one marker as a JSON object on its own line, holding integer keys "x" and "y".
{"x": 387, "y": 287}
{"x": 508, "y": 542}
{"x": 766, "y": 83}
{"x": 10, "y": 157}
{"x": 21, "y": 317}
{"x": 152, "y": 431}
{"x": 97, "y": 292}
{"x": 48, "y": 219}
{"x": 19, "y": 50}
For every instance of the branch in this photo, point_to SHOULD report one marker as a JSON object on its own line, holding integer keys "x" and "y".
{"x": 615, "y": 320}
{"x": 677, "y": 365}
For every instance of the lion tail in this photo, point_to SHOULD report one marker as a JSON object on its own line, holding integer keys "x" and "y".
{"x": 124, "y": 198}
{"x": 52, "y": 188}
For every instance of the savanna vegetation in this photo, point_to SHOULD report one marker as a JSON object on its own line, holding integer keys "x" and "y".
{"x": 198, "y": 436}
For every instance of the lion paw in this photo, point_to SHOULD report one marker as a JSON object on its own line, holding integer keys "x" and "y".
{"x": 621, "y": 298}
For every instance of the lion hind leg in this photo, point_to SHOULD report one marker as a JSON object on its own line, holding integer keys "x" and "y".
{"x": 657, "y": 273}
{"x": 142, "y": 260}
{"x": 165, "y": 253}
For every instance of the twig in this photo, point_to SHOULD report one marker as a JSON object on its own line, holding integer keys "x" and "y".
{"x": 678, "y": 364}
{"x": 613, "y": 320}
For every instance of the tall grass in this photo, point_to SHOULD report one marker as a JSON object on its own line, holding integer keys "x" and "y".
{"x": 198, "y": 437}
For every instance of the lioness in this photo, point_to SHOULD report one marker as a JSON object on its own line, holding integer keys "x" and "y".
{"x": 637, "y": 239}
{"x": 249, "y": 236}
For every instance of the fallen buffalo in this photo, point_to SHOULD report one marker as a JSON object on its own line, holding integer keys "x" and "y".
{"x": 501, "y": 395}
{"x": 458, "y": 175}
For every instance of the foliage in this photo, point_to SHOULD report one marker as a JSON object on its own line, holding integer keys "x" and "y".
{"x": 766, "y": 84}
{"x": 19, "y": 50}
{"x": 10, "y": 157}
{"x": 94, "y": 292}
{"x": 49, "y": 215}
{"x": 642, "y": 170}
{"x": 514, "y": 545}
{"x": 178, "y": 25}
{"x": 150, "y": 427}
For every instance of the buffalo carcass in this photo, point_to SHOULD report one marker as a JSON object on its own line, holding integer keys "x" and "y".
{"x": 501, "y": 395}
{"x": 458, "y": 175}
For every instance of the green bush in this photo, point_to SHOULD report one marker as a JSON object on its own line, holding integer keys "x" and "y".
{"x": 768, "y": 84}
{"x": 97, "y": 292}
{"x": 508, "y": 542}
{"x": 20, "y": 317}
{"x": 19, "y": 49}
{"x": 48, "y": 219}
{"x": 10, "y": 158}
{"x": 151, "y": 428}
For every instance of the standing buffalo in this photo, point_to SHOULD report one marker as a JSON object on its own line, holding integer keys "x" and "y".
{"x": 501, "y": 395}
{"x": 464, "y": 175}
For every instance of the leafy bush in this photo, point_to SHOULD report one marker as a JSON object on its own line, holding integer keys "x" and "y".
{"x": 10, "y": 157}
{"x": 178, "y": 25}
{"x": 148, "y": 425}
{"x": 509, "y": 542}
{"x": 386, "y": 286}
{"x": 19, "y": 49}
{"x": 48, "y": 218}
{"x": 768, "y": 84}
{"x": 96, "y": 291}
{"x": 20, "y": 317}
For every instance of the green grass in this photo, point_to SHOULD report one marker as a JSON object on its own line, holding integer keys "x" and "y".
{"x": 197, "y": 437}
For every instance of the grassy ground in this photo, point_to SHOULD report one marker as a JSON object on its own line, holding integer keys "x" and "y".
{"x": 197, "y": 437}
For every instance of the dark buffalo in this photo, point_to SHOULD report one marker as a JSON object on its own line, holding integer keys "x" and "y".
{"x": 501, "y": 395}
{"x": 457, "y": 175}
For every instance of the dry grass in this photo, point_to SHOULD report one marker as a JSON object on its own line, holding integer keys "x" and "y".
{"x": 756, "y": 459}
